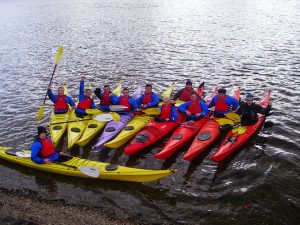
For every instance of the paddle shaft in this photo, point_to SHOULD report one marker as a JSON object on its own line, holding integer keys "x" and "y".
{"x": 50, "y": 82}
{"x": 70, "y": 121}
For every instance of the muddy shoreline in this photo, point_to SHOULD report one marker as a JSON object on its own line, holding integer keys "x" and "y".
{"x": 19, "y": 208}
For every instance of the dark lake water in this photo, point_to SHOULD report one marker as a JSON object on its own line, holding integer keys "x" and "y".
{"x": 252, "y": 44}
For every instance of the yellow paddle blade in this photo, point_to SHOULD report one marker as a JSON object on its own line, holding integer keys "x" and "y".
{"x": 39, "y": 116}
{"x": 168, "y": 92}
{"x": 93, "y": 111}
{"x": 90, "y": 85}
{"x": 233, "y": 116}
{"x": 152, "y": 111}
{"x": 118, "y": 89}
{"x": 66, "y": 90}
{"x": 116, "y": 117}
{"x": 223, "y": 121}
{"x": 239, "y": 130}
{"x": 59, "y": 54}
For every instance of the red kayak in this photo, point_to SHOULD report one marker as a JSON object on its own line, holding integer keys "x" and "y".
{"x": 234, "y": 140}
{"x": 208, "y": 134}
{"x": 180, "y": 137}
{"x": 155, "y": 131}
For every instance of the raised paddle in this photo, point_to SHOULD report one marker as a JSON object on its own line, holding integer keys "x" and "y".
{"x": 86, "y": 170}
{"x": 39, "y": 116}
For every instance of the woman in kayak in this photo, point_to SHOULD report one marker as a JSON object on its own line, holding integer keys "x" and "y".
{"x": 42, "y": 150}
{"x": 195, "y": 109}
{"x": 168, "y": 111}
{"x": 85, "y": 100}
{"x": 248, "y": 111}
{"x": 125, "y": 100}
{"x": 106, "y": 98}
{"x": 223, "y": 103}
{"x": 149, "y": 99}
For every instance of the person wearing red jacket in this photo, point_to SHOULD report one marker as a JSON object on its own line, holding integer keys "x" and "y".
{"x": 60, "y": 101}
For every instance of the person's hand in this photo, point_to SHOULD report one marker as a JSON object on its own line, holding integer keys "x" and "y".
{"x": 144, "y": 106}
{"x": 167, "y": 119}
{"x": 61, "y": 153}
{"x": 82, "y": 77}
{"x": 47, "y": 161}
{"x": 49, "y": 87}
{"x": 188, "y": 113}
{"x": 74, "y": 107}
{"x": 172, "y": 102}
{"x": 198, "y": 114}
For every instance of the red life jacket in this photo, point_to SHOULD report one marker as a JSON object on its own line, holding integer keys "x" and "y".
{"x": 166, "y": 111}
{"x": 47, "y": 148}
{"x": 61, "y": 103}
{"x": 186, "y": 95}
{"x": 85, "y": 104}
{"x": 147, "y": 98}
{"x": 221, "y": 104}
{"x": 195, "y": 107}
{"x": 105, "y": 98}
{"x": 125, "y": 101}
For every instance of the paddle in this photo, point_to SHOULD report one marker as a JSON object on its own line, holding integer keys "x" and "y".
{"x": 86, "y": 170}
{"x": 41, "y": 110}
{"x": 233, "y": 116}
{"x": 151, "y": 111}
{"x": 100, "y": 118}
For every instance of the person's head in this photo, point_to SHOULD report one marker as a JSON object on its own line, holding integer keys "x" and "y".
{"x": 167, "y": 100}
{"x": 60, "y": 90}
{"x": 88, "y": 92}
{"x": 42, "y": 132}
{"x": 106, "y": 88}
{"x": 189, "y": 84}
{"x": 193, "y": 97}
{"x": 249, "y": 99}
{"x": 222, "y": 91}
{"x": 148, "y": 88}
{"x": 125, "y": 92}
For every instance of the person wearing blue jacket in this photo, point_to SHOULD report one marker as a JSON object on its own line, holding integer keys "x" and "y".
{"x": 168, "y": 111}
{"x": 223, "y": 103}
{"x": 195, "y": 109}
{"x": 125, "y": 100}
{"x": 149, "y": 99}
{"x": 42, "y": 150}
{"x": 85, "y": 100}
{"x": 106, "y": 97}
{"x": 60, "y": 101}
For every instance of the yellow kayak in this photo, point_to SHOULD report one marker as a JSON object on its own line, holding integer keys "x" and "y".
{"x": 76, "y": 128}
{"x": 77, "y": 167}
{"x": 128, "y": 132}
{"x": 58, "y": 127}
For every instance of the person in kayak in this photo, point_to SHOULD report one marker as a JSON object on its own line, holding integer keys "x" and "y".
{"x": 60, "y": 101}
{"x": 248, "y": 111}
{"x": 149, "y": 99}
{"x": 223, "y": 103}
{"x": 168, "y": 111}
{"x": 85, "y": 100}
{"x": 42, "y": 150}
{"x": 195, "y": 109}
{"x": 106, "y": 98}
{"x": 184, "y": 94}
{"x": 125, "y": 100}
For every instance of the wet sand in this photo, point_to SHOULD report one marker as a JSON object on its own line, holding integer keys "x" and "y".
{"x": 17, "y": 208}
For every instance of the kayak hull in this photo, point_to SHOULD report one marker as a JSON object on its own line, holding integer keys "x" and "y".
{"x": 150, "y": 134}
{"x": 71, "y": 168}
{"x": 234, "y": 141}
{"x": 179, "y": 138}
{"x": 59, "y": 126}
{"x": 128, "y": 132}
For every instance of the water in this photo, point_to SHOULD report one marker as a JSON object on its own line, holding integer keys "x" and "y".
{"x": 251, "y": 44}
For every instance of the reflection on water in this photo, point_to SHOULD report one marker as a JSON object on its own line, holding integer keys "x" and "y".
{"x": 251, "y": 44}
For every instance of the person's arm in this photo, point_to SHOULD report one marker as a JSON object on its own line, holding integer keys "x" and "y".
{"x": 93, "y": 106}
{"x": 97, "y": 92}
{"x": 174, "y": 114}
{"x": 204, "y": 109}
{"x": 177, "y": 94}
{"x": 35, "y": 149}
{"x": 213, "y": 102}
{"x": 70, "y": 101}
{"x": 233, "y": 103}
{"x": 133, "y": 104}
{"x": 81, "y": 91}
{"x": 240, "y": 109}
{"x": 155, "y": 101}
{"x": 54, "y": 157}
{"x": 51, "y": 96}
{"x": 112, "y": 99}
{"x": 183, "y": 107}
{"x": 140, "y": 100}
{"x": 116, "y": 100}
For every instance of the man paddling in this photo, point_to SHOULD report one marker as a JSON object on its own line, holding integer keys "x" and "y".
{"x": 195, "y": 109}
{"x": 60, "y": 101}
{"x": 184, "y": 94}
{"x": 223, "y": 103}
{"x": 106, "y": 98}
{"x": 149, "y": 99}
{"x": 125, "y": 100}
{"x": 85, "y": 100}
{"x": 168, "y": 111}
{"x": 248, "y": 111}
{"x": 42, "y": 150}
